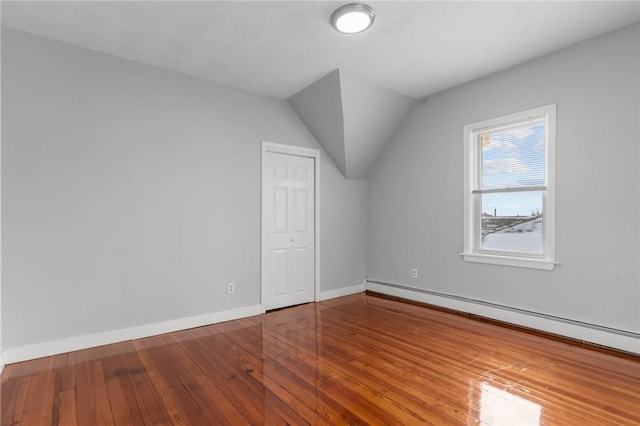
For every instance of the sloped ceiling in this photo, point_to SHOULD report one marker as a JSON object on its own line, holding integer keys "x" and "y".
{"x": 279, "y": 48}
{"x": 352, "y": 119}
{"x": 319, "y": 106}
{"x": 371, "y": 116}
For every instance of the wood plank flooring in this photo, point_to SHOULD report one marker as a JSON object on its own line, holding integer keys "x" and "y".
{"x": 353, "y": 360}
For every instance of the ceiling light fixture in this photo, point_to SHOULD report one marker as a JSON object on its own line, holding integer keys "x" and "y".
{"x": 352, "y": 18}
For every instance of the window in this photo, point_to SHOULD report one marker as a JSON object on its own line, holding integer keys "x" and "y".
{"x": 509, "y": 189}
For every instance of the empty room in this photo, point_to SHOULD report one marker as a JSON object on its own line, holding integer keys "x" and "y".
{"x": 320, "y": 213}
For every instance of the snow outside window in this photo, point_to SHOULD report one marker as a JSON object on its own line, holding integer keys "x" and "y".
{"x": 509, "y": 187}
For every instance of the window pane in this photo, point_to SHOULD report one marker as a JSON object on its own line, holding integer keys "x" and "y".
{"x": 513, "y": 157}
{"x": 512, "y": 221}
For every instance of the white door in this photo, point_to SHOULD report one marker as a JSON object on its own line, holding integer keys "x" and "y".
{"x": 288, "y": 247}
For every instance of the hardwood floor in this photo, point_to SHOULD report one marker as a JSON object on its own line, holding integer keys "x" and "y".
{"x": 354, "y": 360}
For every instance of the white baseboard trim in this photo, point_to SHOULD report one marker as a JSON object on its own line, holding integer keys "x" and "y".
{"x": 39, "y": 350}
{"x": 600, "y": 335}
{"x": 1, "y": 361}
{"x": 340, "y": 292}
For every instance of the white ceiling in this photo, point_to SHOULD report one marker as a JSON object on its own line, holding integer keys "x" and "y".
{"x": 277, "y": 48}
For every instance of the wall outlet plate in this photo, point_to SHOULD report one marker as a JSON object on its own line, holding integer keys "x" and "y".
{"x": 231, "y": 288}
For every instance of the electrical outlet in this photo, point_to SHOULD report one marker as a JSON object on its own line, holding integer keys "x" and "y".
{"x": 414, "y": 273}
{"x": 231, "y": 288}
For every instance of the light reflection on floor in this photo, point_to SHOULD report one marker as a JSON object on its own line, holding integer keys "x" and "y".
{"x": 501, "y": 408}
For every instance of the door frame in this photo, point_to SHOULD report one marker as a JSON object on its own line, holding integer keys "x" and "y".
{"x": 298, "y": 152}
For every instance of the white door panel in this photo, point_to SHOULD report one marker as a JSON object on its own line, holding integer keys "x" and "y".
{"x": 288, "y": 252}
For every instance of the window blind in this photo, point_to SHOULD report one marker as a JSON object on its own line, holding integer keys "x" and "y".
{"x": 512, "y": 159}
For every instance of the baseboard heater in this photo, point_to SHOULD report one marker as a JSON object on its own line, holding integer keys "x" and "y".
{"x": 624, "y": 340}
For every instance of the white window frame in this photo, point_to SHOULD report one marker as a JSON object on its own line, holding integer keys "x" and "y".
{"x": 472, "y": 214}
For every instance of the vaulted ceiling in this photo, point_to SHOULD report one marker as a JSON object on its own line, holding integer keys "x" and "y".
{"x": 351, "y": 118}
{"x": 279, "y": 48}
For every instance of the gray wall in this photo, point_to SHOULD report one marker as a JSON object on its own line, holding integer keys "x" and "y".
{"x": 415, "y": 190}
{"x": 131, "y": 195}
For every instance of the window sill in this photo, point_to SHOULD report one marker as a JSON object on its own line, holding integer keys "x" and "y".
{"x": 518, "y": 262}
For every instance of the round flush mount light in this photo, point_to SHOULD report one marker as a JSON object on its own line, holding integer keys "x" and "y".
{"x": 352, "y": 18}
